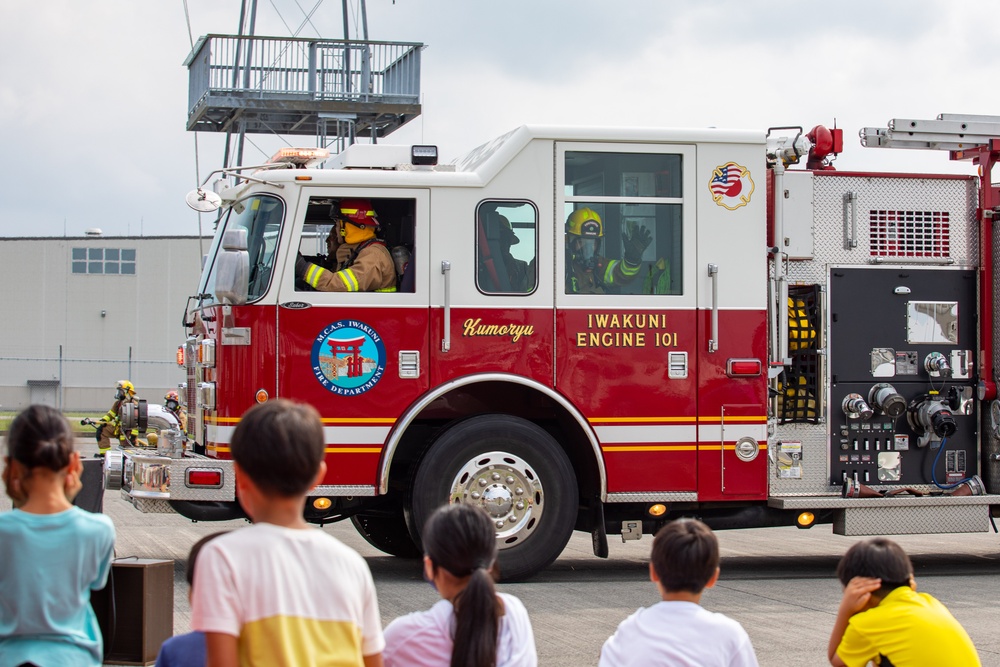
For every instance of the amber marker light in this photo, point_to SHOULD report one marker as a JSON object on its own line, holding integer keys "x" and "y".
{"x": 261, "y": 396}
{"x": 805, "y": 520}
{"x": 180, "y": 355}
{"x": 322, "y": 503}
{"x": 657, "y": 510}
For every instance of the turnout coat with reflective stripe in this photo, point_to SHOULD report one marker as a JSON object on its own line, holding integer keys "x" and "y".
{"x": 372, "y": 270}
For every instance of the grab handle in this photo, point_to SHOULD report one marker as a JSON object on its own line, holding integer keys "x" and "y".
{"x": 850, "y": 220}
{"x": 713, "y": 273}
{"x": 446, "y": 272}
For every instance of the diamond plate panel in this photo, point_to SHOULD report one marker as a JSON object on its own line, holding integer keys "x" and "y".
{"x": 815, "y": 461}
{"x": 148, "y": 506}
{"x": 179, "y": 491}
{"x": 916, "y": 503}
{"x": 911, "y": 520}
{"x": 958, "y": 197}
{"x": 343, "y": 490}
{"x": 652, "y": 497}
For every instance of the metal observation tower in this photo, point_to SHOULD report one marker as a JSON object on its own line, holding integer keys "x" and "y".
{"x": 334, "y": 89}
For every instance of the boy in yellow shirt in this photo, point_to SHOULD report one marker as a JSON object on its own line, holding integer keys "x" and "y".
{"x": 883, "y": 619}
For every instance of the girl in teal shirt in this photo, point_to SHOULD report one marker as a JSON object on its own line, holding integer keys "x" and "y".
{"x": 53, "y": 554}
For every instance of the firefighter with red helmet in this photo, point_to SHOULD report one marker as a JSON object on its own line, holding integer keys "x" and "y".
{"x": 172, "y": 402}
{"x": 357, "y": 261}
{"x": 589, "y": 272}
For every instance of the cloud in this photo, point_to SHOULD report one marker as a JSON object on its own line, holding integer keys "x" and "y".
{"x": 93, "y": 97}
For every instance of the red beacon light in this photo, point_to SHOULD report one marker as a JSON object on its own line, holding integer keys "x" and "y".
{"x": 824, "y": 142}
{"x": 300, "y": 157}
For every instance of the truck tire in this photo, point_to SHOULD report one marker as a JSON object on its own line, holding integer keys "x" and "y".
{"x": 514, "y": 470}
{"x": 387, "y": 533}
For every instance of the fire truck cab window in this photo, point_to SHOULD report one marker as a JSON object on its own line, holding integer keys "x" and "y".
{"x": 506, "y": 247}
{"x": 347, "y": 257}
{"x": 623, "y": 215}
{"x": 261, "y": 217}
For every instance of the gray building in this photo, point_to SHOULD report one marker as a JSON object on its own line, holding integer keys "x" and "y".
{"x": 85, "y": 312}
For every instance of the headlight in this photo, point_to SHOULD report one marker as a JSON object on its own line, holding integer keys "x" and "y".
{"x": 207, "y": 392}
{"x": 206, "y": 354}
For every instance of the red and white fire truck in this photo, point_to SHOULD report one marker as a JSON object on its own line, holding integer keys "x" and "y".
{"x": 794, "y": 346}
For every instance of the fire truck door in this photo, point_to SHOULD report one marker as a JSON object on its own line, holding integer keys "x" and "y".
{"x": 732, "y": 322}
{"x": 491, "y": 294}
{"x": 359, "y": 357}
{"x": 626, "y": 322}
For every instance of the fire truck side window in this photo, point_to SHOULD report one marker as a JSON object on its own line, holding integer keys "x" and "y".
{"x": 396, "y": 231}
{"x": 261, "y": 216}
{"x": 623, "y": 247}
{"x": 506, "y": 247}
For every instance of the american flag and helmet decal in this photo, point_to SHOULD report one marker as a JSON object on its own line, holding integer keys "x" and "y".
{"x": 731, "y": 185}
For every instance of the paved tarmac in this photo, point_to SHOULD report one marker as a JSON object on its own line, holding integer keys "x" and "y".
{"x": 777, "y": 582}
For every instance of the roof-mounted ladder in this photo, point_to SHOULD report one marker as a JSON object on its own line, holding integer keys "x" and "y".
{"x": 949, "y": 132}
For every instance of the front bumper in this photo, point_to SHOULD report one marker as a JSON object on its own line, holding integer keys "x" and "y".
{"x": 150, "y": 481}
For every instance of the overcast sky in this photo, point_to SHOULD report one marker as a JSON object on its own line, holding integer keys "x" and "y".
{"x": 93, "y": 93}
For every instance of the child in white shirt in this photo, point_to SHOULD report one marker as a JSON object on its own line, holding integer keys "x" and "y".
{"x": 678, "y": 631}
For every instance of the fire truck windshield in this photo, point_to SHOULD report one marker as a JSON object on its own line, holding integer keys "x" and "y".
{"x": 261, "y": 217}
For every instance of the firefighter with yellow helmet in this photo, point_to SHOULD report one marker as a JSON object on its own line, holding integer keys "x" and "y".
{"x": 357, "y": 261}
{"x": 587, "y": 270}
{"x": 110, "y": 425}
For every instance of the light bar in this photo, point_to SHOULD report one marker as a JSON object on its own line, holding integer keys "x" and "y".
{"x": 300, "y": 156}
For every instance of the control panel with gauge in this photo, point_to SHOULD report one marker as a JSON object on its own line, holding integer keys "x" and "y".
{"x": 903, "y": 375}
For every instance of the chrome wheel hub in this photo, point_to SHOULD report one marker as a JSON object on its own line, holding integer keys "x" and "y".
{"x": 507, "y": 488}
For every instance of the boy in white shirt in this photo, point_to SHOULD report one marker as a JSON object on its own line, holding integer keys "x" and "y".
{"x": 678, "y": 631}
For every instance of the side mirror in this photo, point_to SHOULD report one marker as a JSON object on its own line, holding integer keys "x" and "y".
{"x": 235, "y": 239}
{"x": 232, "y": 268}
{"x": 203, "y": 201}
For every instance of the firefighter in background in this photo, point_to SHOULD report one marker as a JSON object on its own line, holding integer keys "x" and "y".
{"x": 110, "y": 425}
{"x": 520, "y": 274}
{"x": 589, "y": 272}
{"x": 356, "y": 260}
{"x": 172, "y": 402}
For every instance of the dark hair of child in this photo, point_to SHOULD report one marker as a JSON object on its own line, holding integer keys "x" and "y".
{"x": 40, "y": 437}
{"x": 193, "y": 555}
{"x": 462, "y": 540}
{"x": 685, "y": 555}
{"x": 279, "y": 445}
{"x": 879, "y": 558}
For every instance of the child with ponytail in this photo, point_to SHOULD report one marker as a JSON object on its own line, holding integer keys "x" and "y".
{"x": 473, "y": 625}
{"x": 53, "y": 554}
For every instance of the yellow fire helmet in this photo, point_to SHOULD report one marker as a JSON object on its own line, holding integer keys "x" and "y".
{"x": 585, "y": 222}
{"x": 126, "y": 389}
